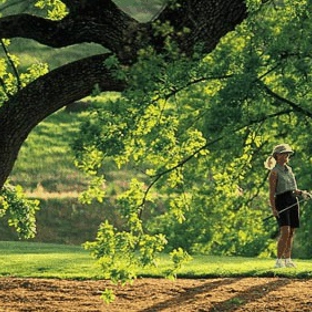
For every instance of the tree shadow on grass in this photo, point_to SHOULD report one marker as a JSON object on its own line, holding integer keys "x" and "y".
{"x": 240, "y": 298}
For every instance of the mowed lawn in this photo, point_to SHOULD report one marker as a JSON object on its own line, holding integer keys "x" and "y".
{"x": 27, "y": 259}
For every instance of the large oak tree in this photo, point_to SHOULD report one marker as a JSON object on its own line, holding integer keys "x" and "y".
{"x": 249, "y": 89}
{"x": 104, "y": 23}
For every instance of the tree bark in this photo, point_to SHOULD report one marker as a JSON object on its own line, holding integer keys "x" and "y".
{"x": 102, "y": 22}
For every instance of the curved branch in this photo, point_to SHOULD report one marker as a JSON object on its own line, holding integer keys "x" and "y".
{"x": 66, "y": 32}
{"x": 104, "y": 23}
{"x": 43, "y": 97}
{"x": 31, "y": 27}
{"x": 96, "y": 21}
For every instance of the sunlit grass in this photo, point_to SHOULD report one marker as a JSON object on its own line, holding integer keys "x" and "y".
{"x": 24, "y": 259}
{"x": 20, "y": 259}
{"x": 46, "y": 161}
{"x": 205, "y": 266}
{"x": 210, "y": 266}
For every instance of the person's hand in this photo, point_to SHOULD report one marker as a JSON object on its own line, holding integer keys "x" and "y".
{"x": 275, "y": 212}
{"x": 306, "y": 195}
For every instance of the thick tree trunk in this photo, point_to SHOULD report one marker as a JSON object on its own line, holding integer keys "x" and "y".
{"x": 100, "y": 22}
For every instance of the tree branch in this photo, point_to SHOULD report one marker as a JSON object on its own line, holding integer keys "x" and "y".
{"x": 104, "y": 23}
{"x": 281, "y": 99}
{"x": 15, "y": 71}
{"x": 205, "y": 20}
{"x": 220, "y": 138}
{"x": 43, "y": 97}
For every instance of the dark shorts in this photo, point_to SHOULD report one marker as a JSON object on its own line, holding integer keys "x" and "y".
{"x": 290, "y": 217}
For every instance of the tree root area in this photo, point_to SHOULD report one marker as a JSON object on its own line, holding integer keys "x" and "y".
{"x": 149, "y": 295}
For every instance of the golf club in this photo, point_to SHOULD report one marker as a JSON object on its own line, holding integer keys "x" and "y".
{"x": 287, "y": 208}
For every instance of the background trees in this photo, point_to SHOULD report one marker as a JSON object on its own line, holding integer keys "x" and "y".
{"x": 200, "y": 109}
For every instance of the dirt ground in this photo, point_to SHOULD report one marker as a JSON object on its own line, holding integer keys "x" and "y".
{"x": 149, "y": 295}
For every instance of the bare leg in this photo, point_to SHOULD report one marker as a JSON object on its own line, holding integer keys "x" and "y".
{"x": 282, "y": 244}
{"x": 289, "y": 243}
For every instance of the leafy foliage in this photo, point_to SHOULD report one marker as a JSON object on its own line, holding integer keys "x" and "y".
{"x": 11, "y": 80}
{"x": 198, "y": 131}
{"x": 20, "y": 210}
{"x": 56, "y": 9}
{"x": 112, "y": 247}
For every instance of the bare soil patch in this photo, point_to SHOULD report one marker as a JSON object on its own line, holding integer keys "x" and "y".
{"x": 149, "y": 295}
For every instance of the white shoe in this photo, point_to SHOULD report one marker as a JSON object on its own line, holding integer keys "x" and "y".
{"x": 280, "y": 263}
{"x": 289, "y": 263}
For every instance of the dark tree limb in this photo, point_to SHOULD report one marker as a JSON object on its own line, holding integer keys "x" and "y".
{"x": 45, "y": 96}
{"x": 295, "y": 107}
{"x": 102, "y": 22}
{"x": 208, "y": 21}
{"x": 68, "y": 31}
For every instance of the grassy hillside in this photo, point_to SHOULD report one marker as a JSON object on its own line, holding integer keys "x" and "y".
{"x": 45, "y": 163}
{"x": 45, "y": 169}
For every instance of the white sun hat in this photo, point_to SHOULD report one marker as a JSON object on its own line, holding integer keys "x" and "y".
{"x": 282, "y": 149}
{"x": 278, "y": 149}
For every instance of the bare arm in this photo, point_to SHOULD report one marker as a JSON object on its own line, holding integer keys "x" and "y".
{"x": 272, "y": 189}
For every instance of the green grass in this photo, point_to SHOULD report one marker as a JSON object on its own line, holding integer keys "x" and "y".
{"x": 24, "y": 259}
{"x": 46, "y": 160}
